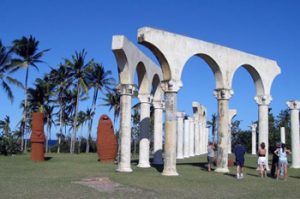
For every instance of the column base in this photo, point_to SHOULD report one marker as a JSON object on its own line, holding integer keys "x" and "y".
{"x": 295, "y": 167}
{"x": 170, "y": 172}
{"x": 192, "y": 155}
{"x": 197, "y": 154}
{"x": 124, "y": 170}
{"x": 222, "y": 170}
{"x": 144, "y": 165}
{"x": 179, "y": 157}
{"x": 253, "y": 154}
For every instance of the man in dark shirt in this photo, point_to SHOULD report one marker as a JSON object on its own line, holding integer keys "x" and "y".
{"x": 274, "y": 159}
{"x": 239, "y": 152}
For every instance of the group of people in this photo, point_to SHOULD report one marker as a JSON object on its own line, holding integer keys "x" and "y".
{"x": 279, "y": 161}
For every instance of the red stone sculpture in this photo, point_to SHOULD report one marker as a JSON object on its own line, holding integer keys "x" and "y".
{"x": 37, "y": 137}
{"x": 106, "y": 140}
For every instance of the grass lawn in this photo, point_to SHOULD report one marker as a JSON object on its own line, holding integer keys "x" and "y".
{"x": 22, "y": 178}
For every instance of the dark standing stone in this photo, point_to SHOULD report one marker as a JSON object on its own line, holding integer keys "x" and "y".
{"x": 106, "y": 140}
{"x": 37, "y": 137}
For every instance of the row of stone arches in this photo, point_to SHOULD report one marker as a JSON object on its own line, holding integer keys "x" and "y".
{"x": 172, "y": 52}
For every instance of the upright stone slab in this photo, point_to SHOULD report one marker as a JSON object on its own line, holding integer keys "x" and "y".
{"x": 37, "y": 137}
{"x": 106, "y": 140}
{"x": 186, "y": 138}
{"x": 282, "y": 134}
{"x": 180, "y": 117}
{"x": 253, "y": 130}
{"x": 192, "y": 136}
{"x": 232, "y": 114}
{"x": 294, "y": 107}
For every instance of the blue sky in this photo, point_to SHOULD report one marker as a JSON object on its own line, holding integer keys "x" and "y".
{"x": 266, "y": 28}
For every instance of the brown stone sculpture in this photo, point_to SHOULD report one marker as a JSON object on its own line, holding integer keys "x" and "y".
{"x": 106, "y": 140}
{"x": 37, "y": 137}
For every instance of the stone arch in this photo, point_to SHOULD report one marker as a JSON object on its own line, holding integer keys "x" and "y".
{"x": 256, "y": 77}
{"x": 156, "y": 89}
{"x": 166, "y": 72}
{"x": 143, "y": 81}
{"x": 213, "y": 65}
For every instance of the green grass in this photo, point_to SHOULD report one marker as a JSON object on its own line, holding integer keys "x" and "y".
{"x": 22, "y": 178}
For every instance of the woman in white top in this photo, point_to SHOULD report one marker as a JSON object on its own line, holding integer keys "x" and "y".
{"x": 282, "y": 163}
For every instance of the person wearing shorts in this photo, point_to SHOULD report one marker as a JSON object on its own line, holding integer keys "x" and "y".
{"x": 282, "y": 164}
{"x": 262, "y": 161}
{"x": 239, "y": 152}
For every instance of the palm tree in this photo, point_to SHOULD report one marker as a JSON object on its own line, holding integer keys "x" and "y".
{"x": 89, "y": 117}
{"x": 213, "y": 124}
{"x": 48, "y": 112}
{"x": 5, "y": 125}
{"x": 112, "y": 100}
{"x": 78, "y": 69}
{"x": 100, "y": 80}
{"x": 62, "y": 81}
{"x": 27, "y": 51}
{"x": 5, "y": 62}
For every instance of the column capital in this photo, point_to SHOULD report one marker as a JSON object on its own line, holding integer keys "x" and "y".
{"x": 145, "y": 98}
{"x": 293, "y": 104}
{"x": 171, "y": 86}
{"x": 126, "y": 89}
{"x": 158, "y": 104}
{"x": 180, "y": 114}
{"x": 253, "y": 127}
{"x": 223, "y": 93}
{"x": 263, "y": 99}
{"x": 191, "y": 119}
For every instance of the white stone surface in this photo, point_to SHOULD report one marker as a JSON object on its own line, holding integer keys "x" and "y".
{"x": 186, "y": 137}
{"x": 253, "y": 132}
{"x": 158, "y": 132}
{"x": 192, "y": 137}
{"x": 196, "y": 114}
{"x": 294, "y": 107}
{"x": 282, "y": 134}
{"x": 180, "y": 127}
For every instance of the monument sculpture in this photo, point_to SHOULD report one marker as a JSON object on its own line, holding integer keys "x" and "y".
{"x": 106, "y": 140}
{"x": 37, "y": 137}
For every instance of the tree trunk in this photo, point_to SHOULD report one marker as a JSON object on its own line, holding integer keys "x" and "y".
{"x": 61, "y": 124}
{"x": 23, "y": 127}
{"x": 90, "y": 125}
{"x": 73, "y": 137}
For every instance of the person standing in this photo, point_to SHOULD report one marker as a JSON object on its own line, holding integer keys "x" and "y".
{"x": 282, "y": 164}
{"x": 239, "y": 152}
{"x": 262, "y": 161}
{"x": 210, "y": 155}
{"x": 275, "y": 159}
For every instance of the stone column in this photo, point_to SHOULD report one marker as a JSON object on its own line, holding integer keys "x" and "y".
{"x": 126, "y": 92}
{"x": 294, "y": 107}
{"x": 180, "y": 117}
{"x": 144, "y": 147}
{"x": 263, "y": 102}
{"x": 192, "y": 136}
{"x": 158, "y": 131}
{"x": 206, "y": 140}
{"x": 186, "y": 138}
{"x": 170, "y": 88}
{"x": 232, "y": 113}
{"x": 223, "y": 96}
{"x": 196, "y": 107}
{"x": 282, "y": 134}
{"x": 253, "y": 130}
{"x": 202, "y": 123}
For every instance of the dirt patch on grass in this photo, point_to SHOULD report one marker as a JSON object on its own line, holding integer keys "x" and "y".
{"x": 104, "y": 184}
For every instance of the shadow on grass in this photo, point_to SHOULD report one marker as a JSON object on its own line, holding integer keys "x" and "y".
{"x": 254, "y": 175}
{"x": 202, "y": 165}
{"x": 297, "y": 177}
{"x": 48, "y": 158}
{"x": 158, "y": 167}
{"x": 134, "y": 162}
{"x": 250, "y": 167}
{"x": 230, "y": 174}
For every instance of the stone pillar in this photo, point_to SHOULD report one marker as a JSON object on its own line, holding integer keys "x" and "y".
{"x": 223, "y": 96}
{"x": 206, "y": 140}
{"x": 232, "y": 113}
{"x": 126, "y": 91}
{"x": 158, "y": 131}
{"x": 144, "y": 147}
{"x": 202, "y": 123}
{"x": 186, "y": 138}
{"x": 263, "y": 102}
{"x": 282, "y": 134}
{"x": 170, "y": 88}
{"x": 294, "y": 106}
{"x": 180, "y": 117}
{"x": 253, "y": 130}
{"x": 196, "y": 107}
{"x": 192, "y": 137}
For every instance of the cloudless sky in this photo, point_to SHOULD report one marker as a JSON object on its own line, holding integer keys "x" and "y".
{"x": 269, "y": 29}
